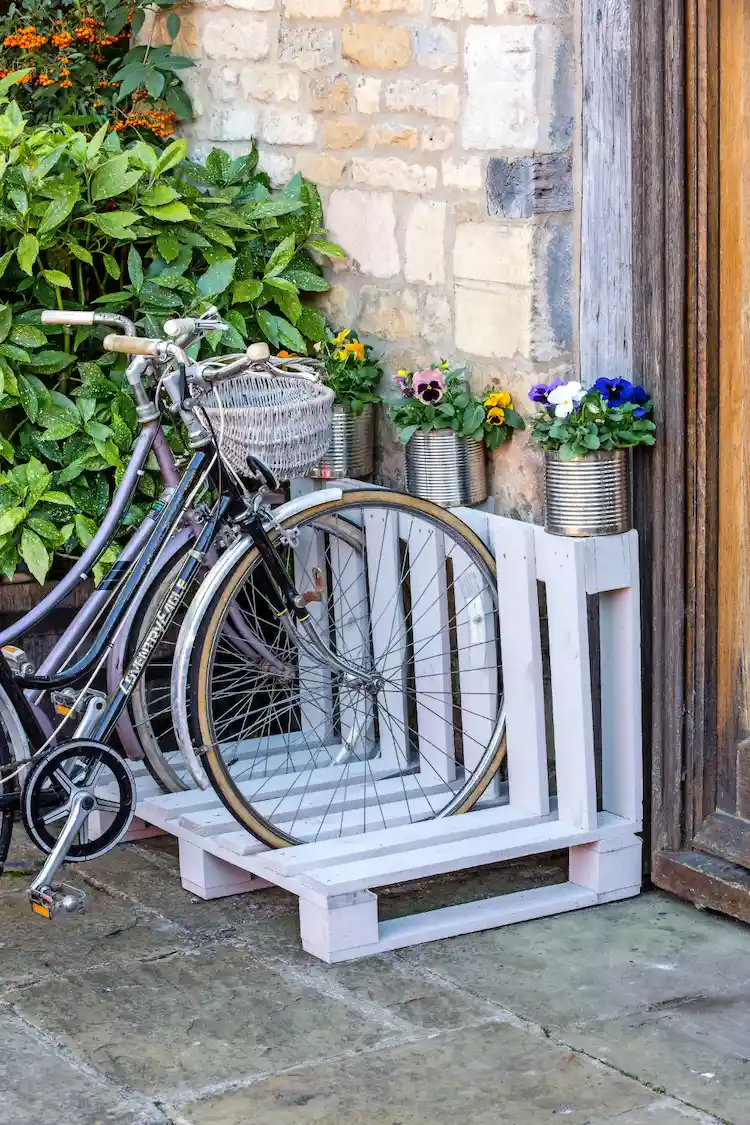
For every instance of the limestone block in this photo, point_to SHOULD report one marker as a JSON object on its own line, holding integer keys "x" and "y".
{"x": 437, "y": 138}
{"x": 535, "y": 9}
{"x": 375, "y": 45}
{"x": 435, "y": 99}
{"x": 553, "y": 304}
{"x": 278, "y": 165}
{"x": 329, "y": 93}
{"x": 230, "y": 36}
{"x": 335, "y": 304}
{"x": 282, "y": 127}
{"x": 342, "y": 134}
{"x": 391, "y": 314}
{"x": 367, "y": 94}
{"x": 236, "y": 122}
{"x": 314, "y": 9}
{"x": 393, "y": 136}
{"x": 325, "y": 170}
{"x": 498, "y": 252}
{"x": 530, "y": 185}
{"x": 413, "y": 7}
{"x": 436, "y": 48}
{"x": 513, "y": 81}
{"x": 394, "y": 174}
{"x": 463, "y": 174}
{"x": 309, "y": 48}
{"x": 455, "y": 9}
{"x": 364, "y": 223}
{"x": 424, "y": 252}
{"x": 493, "y": 320}
{"x": 270, "y": 84}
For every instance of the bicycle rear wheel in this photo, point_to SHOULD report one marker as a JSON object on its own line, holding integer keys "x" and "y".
{"x": 409, "y": 726}
{"x": 8, "y": 785}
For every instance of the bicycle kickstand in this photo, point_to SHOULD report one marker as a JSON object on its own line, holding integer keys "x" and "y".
{"x": 46, "y": 897}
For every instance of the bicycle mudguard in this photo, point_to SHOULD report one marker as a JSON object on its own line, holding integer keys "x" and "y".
{"x": 206, "y": 591}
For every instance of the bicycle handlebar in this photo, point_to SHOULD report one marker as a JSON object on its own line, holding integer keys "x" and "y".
{"x": 67, "y": 316}
{"x": 131, "y": 345}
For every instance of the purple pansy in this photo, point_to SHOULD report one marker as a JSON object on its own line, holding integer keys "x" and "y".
{"x": 540, "y": 393}
{"x": 428, "y": 386}
{"x": 639, "y": 397}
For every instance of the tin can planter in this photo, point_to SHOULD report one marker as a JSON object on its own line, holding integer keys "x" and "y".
{"x": 589, "y": 495}
{"x": 350, "y": 453}
{"x": 446, "y": 468}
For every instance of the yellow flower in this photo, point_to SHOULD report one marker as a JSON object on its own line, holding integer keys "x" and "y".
{"x": 496, "y": 416}
{"x": 354, "y": 348}
{"x": 501, "y": 398}
{"x": 338, "y": 340}
{"x": 402, "y": 373}
{"x": 338, "y": 355}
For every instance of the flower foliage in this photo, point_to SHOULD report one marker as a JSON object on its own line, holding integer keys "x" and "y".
{"x": 575, "y": 421}
{"x": 77, "y": 61}
{"x": 90, "y": 221}
{"x": 352, "y": 373}
{"x": 437, "y": 398}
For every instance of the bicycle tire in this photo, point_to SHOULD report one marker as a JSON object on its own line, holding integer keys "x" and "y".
{"x": 8, "y": 784}
{"x": 207, "y": 634}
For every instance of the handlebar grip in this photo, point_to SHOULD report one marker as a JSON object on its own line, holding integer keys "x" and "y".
{"x": 131, "y": 345}
{"x": 67, "y": 316}
{"x": 179, "y": 327}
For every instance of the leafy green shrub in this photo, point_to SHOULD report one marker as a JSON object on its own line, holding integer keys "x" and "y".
{"x": 90, "y": 222}
{"x": 438, "y": 399}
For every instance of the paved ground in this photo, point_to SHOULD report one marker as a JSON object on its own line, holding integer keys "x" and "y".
{"x": 159, "y": 1008}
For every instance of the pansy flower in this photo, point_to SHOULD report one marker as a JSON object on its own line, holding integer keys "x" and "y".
{"x": 429, "y": 386}
{"x": 495, "y": 416}
{"x": 500, "y": 398}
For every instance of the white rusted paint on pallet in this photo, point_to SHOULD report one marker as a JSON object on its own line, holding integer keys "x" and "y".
{"x": 334, "y": 879}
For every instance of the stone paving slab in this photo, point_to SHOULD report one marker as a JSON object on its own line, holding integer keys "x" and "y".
{"x": 489, "y": 1075}
{"x": 41, "y": 1084}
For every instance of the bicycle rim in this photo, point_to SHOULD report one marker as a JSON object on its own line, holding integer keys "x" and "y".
{"x": 408, "y": 599}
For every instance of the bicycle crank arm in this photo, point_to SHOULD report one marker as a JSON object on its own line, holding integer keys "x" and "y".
{"x": 45, "y": 898}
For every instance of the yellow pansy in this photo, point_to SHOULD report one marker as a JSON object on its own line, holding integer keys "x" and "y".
{"x": 354, "y": 348}
{"x": 496, "y": 415}
{"x": 338, "y": 340}
{"x": 501, "y": 398}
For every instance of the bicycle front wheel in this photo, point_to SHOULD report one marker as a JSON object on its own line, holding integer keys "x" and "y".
{"x": 396, "y": 716}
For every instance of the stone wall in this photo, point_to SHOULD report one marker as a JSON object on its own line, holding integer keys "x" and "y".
{"x": 441, "y": 134}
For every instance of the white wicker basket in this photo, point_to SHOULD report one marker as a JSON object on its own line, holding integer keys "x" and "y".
{"x": 284, "y": 418}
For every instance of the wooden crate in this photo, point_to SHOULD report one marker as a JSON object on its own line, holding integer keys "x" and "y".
{"x": 335, "y": 879}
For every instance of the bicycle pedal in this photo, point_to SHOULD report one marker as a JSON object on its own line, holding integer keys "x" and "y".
{"x": 60, "y": 898}
{"x": 19, "y": 663}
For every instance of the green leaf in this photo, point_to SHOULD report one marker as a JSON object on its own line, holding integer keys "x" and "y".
{"x": 26, "y": 336}
{"x": 217, "y": 278}
{"x": 176, "y": 212}
{"x": 312, "y": 324}
{"x": 281, "y": 257}
{"x": 408, "y": 432}
{"x": 116, "y": 224}
{"x": 246, "y": 291}
{"x": 330, "y": 249}
{"x": 168, "y": 246}
{"x": 290, "y": 337}
{"x": 55, "y": 497}
{"x": 173, "y": 154}
{"x": 97, "y": 430}
{"x": 268, "y": 326}
{"x": 79, "y": 251}
{"x": 50, "y": 362}
{"x": 10, "y": 520}
{"x": 27, "y": 252}
{"x": 92, "y": 148}
{"x": 179, "y": 102}
{"x": 6, "y": 320}
{"x": 85, "y": 529}
{"x": 307, "y": 281}
{"x": 57, "y": 278}
{"x": 113, "y": 178}
{"x": 173, "y": 25}
{"x": 135, "y": 268}
{"x": 4, "y": 261}
{"x": 27, "y": 395}
{"x": 59, "y": 207}
{"x": 158, "y": 195}
{"x": 44, "y": 528}
{"x": 6, "y": 450}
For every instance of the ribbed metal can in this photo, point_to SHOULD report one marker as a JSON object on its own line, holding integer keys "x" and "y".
{"x": 350, "y": 453}
{"x": 446, "y": 468}
{"x": 589, "y": 495}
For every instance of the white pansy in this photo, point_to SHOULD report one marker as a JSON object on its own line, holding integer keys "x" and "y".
{"x": 564, "y": 398}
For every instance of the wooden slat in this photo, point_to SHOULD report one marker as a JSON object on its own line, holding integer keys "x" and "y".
{"x": 351, "y": 618}
{"x": 388, "y": 631}
{"x": 523, "y": 680}
{"x": 477, "y": 655}
{"x": 620, "y": 687}
{"x": 432, "y": 669}
{"x": 563, "y": 566}
{"x": 316, "y": 699}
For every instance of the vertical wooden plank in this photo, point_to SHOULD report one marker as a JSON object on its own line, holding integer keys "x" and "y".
{"x": 606, "y": 303}
{"x": 432, "y": 672}
{"x": 620, "y": 683}
{"x": 388, "y": 631}
{"x": 523, "y": 682}
{"x": 352, "y": 625}
{"x": 476, "y": 653}
{"x": 564, "y": 571}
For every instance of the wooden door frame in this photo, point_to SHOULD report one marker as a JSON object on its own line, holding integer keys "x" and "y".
{"x": 675, "y": 298}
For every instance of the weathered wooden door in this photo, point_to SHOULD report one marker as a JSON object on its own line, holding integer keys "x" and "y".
{"x": 725, "y": 830}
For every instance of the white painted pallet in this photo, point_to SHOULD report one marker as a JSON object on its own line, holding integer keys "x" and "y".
{"x": 334, "y": 879}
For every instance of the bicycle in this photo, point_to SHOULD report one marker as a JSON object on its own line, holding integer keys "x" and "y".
{"x": 360, "y": 715}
